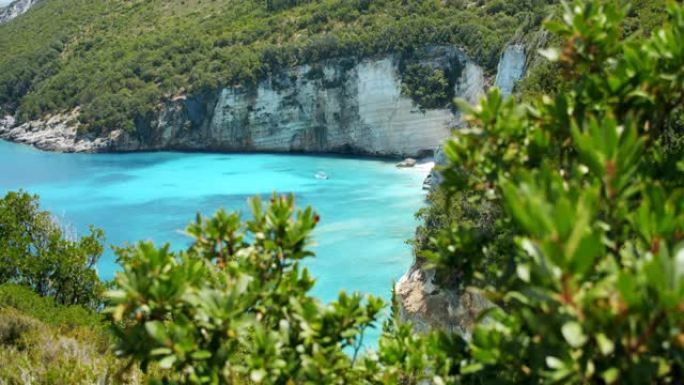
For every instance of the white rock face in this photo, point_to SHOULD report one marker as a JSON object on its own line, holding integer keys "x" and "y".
{"x": 56, "y": 133}
{"x": 511, "y": 68}
{"x": 472, "y": 86}
{"x": 392, "y": 124}
{"x": 336, "y": 106}
{"x": 15, "y": 8}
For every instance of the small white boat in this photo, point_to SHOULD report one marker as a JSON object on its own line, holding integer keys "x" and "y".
{"x": 321, "y": 175}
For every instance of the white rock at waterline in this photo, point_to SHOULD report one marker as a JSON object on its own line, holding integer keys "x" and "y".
{"x": 408, "y": 162}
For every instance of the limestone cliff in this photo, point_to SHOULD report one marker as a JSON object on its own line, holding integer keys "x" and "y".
{"x": 511, "y": 68}
{"x": 341, "y": 105}
{"x": 427, "y": 305}
{"x": 15, "y": 8}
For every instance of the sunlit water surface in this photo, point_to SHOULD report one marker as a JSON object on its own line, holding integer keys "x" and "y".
{"x": 366, "y": 206}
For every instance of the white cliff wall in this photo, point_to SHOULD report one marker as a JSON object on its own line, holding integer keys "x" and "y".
{"x": 15, "y": 9}
{"x": 336, "y": 106}
{"x": 511, "y": 68}
{"x": 391, "y": 122}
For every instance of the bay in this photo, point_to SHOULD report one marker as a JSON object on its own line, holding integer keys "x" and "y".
{"x": 366, "y": 206}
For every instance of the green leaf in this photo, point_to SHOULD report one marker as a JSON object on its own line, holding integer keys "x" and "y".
{"x": 605, "y": 345}
{"x": 554, "y": 362}
{"x": 201, "y": 355}
{"x": 572, "y": 332}
{"x": 167, "y": 362}
{"x": 156, "y": 330}
{"x": 611, "y": 375}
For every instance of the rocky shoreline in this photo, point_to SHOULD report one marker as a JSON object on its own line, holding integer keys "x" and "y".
{"x": 58, "y": 133}
{"x": 421, "y": 300}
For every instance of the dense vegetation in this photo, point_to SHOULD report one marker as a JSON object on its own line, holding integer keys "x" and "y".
{"x": 36, "y": 252}
{"x": 573, "y": 227}
{"x": 43, "y": 342}
{"x": 428, "y": 87}
{"x": 117, "y": 59}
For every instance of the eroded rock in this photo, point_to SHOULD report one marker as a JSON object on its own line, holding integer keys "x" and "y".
{"x": 511, "y": 68}
{"x": 408, "y": 162}
{"x": 54, "y": 133}
{"x": 426, "y": 305}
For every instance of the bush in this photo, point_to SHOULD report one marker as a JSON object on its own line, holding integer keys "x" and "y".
{"x": 428, "y": 87}
{"x": 236, "y": 304}
{"x": 593, "y": 203}
{"x": 42, "y": 342}
{"x": 13, "y": 325}
{"x": 36, "y": 353}
{"x": 46, "y": 310}
{"x": 36, "y": 253}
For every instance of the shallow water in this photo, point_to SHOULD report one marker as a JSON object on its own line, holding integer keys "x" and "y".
{"x": 366, "y": 206}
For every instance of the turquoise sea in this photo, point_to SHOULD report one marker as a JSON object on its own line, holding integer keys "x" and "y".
{"x": 366, "y": 206}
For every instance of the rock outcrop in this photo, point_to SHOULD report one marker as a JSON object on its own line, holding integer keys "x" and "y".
{"x": 15, "y": 8}
{"x": 511, "y": 68}
{"x": 56, "y": 133}
{"x": 426, "y": 305}
{"x": 408, "y": 162}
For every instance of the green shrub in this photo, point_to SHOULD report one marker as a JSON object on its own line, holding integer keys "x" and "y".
{"x": 428, "y": 87}
{"x": 42, "y": 342}
{"x": 236, "y": 304}
{"x": 46, "y": 310}
{"x": 13, "y": 325}
{"x": 37, "y": 353}
{"x": 593, "y": 201}
{"x": 36, "y": 253}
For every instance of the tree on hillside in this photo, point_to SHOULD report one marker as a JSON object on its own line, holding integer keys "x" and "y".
{"x": 588, "y": 186}
{"x": 35, "y": 252}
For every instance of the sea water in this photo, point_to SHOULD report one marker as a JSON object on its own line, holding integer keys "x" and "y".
{"x": 367, "y": 207}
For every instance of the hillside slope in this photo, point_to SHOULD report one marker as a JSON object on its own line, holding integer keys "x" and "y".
{"x": 118, "y": 60}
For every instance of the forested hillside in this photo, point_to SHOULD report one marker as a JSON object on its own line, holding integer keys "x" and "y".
{"x": 118, "y": 59}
